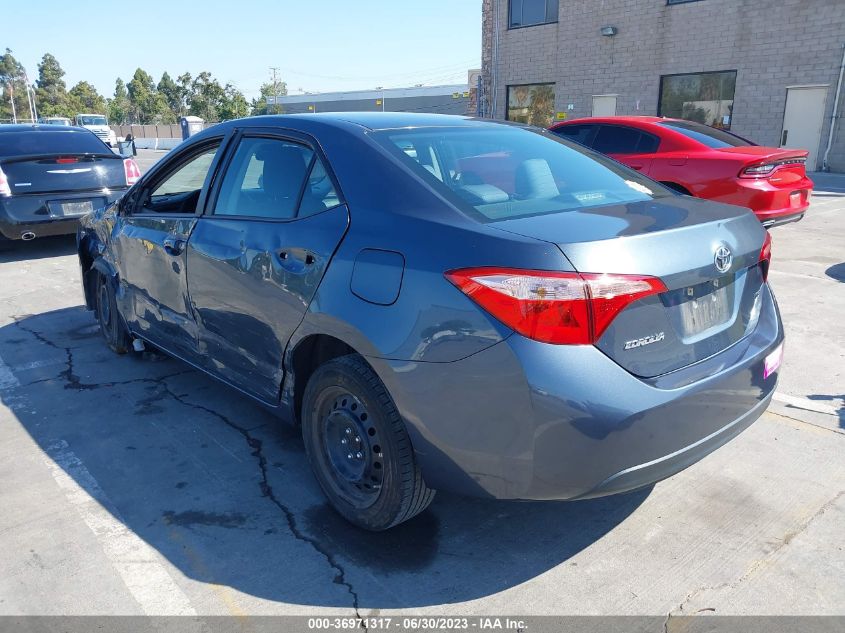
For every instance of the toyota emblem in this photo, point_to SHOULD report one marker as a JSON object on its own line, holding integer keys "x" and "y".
{"x": 723, "y": 259}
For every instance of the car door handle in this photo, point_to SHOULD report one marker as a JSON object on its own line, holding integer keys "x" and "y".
{"x": 637, "y": 167}
{"x": 173, "y": 245}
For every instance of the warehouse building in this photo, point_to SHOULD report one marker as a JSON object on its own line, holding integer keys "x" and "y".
{"x": 450, "y": 99}
{"x": 770, "y": 72}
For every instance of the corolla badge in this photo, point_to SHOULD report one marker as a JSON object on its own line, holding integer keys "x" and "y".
{"x": 646, "y": 340}
{"x": 723, "y": 259}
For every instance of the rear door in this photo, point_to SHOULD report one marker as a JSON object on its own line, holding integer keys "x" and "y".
{"x": 149, "y": 246}
{"x": 635, "y": 148}
{"x": 256, "y": 257}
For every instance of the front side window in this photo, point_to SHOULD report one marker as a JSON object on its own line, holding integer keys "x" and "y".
{"x": 533, "y": 104}
{"x": 581, "y": 134}
{"x": 531, "y": 12}
{"x": 274, "y": 179}
{"x": 706, "y": 98}
{"x": 617, "y": 139}
{"x": 501, "y": 172}
{"x": 179, "y": 191}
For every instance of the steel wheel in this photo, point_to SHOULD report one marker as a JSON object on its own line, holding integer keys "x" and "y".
{"x": 358, "y": 446}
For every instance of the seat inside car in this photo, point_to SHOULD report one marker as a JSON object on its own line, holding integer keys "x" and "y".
{"x": 535, "y": 181}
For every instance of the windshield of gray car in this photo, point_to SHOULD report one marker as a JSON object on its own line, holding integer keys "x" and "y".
{"x": 506, "y": 172}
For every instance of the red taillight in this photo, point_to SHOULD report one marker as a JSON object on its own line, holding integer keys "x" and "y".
{"x": 764, "y": 170}
{"x": 553, "y": 307}
{"x": 766, "y": 255}
{"x": 64, "y": 160}
{"x": 5, "y": 189}
{"x": 131, "y": 171}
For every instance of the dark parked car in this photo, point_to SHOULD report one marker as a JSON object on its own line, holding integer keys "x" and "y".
{"x": 445, "y": 303}
{"x": 52, "y": 175}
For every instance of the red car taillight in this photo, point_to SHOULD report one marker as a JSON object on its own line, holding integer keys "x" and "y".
{"x": 553, "y": 307}
{"x": 764, "y": 170}
{"x": 766, "y": 256}
{"x": 5, "y": 189}
{"x": 131, "y": 171}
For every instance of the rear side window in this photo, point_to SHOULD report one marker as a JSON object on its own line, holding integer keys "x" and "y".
{"x": 500, "y": 172}
{"x": 581, "y": 134}
{"x": 709, "y": 136}
{"x": 50, "y": 142}
{"x": 616, "y": 139}
{"x": 274, "y": 179}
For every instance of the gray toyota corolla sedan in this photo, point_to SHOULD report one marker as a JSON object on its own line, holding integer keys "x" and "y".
{"x": 445, "y": 303}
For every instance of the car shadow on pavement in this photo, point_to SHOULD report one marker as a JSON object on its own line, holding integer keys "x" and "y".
{"x": 40, "y": 248}
{"x": 840, "y": 412}
{"x": 222, "y": 490}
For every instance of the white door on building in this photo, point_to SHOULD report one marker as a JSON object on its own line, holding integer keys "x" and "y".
{"x": 604, "y": 105}
{"x": 803, "y": 120}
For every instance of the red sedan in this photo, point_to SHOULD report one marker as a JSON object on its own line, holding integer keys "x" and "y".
{"x": 702, "y": 161}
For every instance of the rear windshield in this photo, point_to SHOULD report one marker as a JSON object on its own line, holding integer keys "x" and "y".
{"x": 504, "y": 172}
{"x": 92, "y": 120}
{"x": 40, "y": 142}
{"x": 709, "y": 136}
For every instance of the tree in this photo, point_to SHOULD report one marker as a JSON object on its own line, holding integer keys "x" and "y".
{"x": 119, "y": 105}
{"x": 207, "y": 96}
{"x": 51, "y": 92}
{"x": 172, "y": 94}
{"x": 259, "y": 106}
{"x": 234, "y": 105}
{"x": 14, "y": 88}
{"x": 145, "y": 104}
{"x": 83, "y": 97}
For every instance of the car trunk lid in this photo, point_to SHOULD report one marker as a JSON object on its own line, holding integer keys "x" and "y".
{"x": 63, "y": 173}
{"x": 703, "y": 311}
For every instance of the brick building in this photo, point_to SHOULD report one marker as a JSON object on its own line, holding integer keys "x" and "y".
{"x": 766, "y": 71}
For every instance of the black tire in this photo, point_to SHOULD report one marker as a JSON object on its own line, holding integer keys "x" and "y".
{"x": 380, "y": 485}
{"x": 111, "y": 323}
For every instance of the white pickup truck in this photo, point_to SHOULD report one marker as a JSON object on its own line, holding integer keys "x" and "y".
{"x": 99, "y": 125}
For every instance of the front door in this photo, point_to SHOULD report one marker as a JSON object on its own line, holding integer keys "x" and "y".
{"x": 631, "y": 146}
{"x": 150, "y": 250}
{"x": 256, "y": 257}
{"x": 604, "y": 105}
{"x": 803, "y": 119}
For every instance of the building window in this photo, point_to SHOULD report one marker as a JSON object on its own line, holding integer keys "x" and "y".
{"x": 531, "y": 12}
{"x": 533, "y": 104}
{"x": 703, "y": 97}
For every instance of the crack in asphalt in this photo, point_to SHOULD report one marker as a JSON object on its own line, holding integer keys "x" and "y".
{"x": 74, "y": 382}
{"x": 267, "y": 491}
{"x": 786, "y": 540}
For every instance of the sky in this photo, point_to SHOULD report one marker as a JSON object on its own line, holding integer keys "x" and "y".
{"x": 318, "y": 45}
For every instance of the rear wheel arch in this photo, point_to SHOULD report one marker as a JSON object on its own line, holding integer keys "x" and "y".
{"x": 676, "y": 187}
{"x": 311, "y": 352}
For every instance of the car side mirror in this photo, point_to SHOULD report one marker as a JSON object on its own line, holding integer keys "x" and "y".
{"x": 127, "y": 148}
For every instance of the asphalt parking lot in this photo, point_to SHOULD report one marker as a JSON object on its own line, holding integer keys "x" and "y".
{"x": 135, "y": 485}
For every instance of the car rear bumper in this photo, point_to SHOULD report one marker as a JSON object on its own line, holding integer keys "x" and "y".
{"x": 24, "y": 215}
{"x": 772, "y": 203}
{"x": 528, "y": 420}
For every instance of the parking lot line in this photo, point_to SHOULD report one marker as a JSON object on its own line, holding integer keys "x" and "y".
{"x": 804, "y": 403}
{"x": 7, "y": 377}
{"x": 137, "y": 563}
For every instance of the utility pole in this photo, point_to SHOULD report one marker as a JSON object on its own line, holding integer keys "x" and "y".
{"x": 275, "y": 89}
{"x": 12, "y": 100}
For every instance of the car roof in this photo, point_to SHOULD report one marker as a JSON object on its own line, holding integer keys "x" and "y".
{"x": 35, "y": 127}
{"x": 369, "y": 120}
